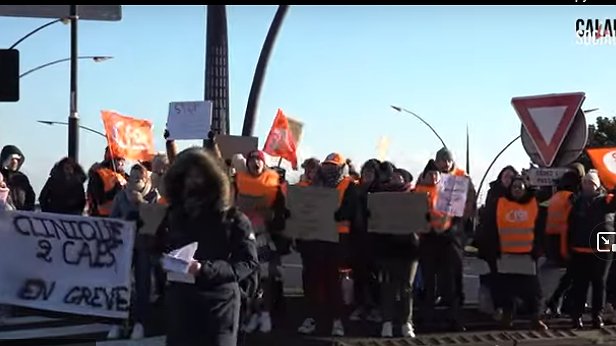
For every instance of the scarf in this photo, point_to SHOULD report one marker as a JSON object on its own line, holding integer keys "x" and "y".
{"x": 388, "y": 187}
{"x": 331, "y": 178}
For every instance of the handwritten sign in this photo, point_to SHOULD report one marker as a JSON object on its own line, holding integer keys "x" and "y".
{"x": 189, "y": 120}
{"x": 152, "y": 215}
{"x": 66, "y": 263}
{"x": 545, "y": 176}
{"x": 231, "y": 145}
{"x": 452, "y": 194}
{"x": 400, "y": 213}
{"x": 312, "y": 213}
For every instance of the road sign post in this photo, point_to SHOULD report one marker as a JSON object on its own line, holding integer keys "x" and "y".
{"x": 547, "y": 120}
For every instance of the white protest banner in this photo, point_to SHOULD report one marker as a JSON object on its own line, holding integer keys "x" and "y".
{"x": 452, "y": 193}
{"x": 66, "y": 263}
{"x": 189, "y": 120}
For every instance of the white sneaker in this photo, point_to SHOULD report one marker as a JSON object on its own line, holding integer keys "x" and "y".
{"x": 115, "y": 332}
{"x": 138, "y": 332}
{"x": 252, "y": 324}
{"x": 387, "y": 330}
{"x": 308, "y": 327}
{"x": 408, "y": 331}
{"x": 337, "y": 328}
{"x": 374, "y": 316}
{"x": 265, "y": 322}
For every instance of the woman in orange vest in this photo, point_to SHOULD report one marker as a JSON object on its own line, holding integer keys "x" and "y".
{"x": 515, "y": 243}
{"x": 441, "y": 254}
{"x": 591, "y": 252}
{"x": 260, "y": 186}
{"x": 556, "y": 231}
{"x": 105, "y": 181}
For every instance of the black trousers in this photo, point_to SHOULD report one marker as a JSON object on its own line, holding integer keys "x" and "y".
{"x": 321, "y": 278}
{"x": 197, "y": 317}
{"x": 587, "y": 269}
{"x": 526, "y": 287}
{"x": 441, "y": 268}
{"x": 563, "y": 286}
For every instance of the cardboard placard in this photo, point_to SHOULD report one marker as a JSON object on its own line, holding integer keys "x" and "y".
{"x": 152, "y": 214}
{"x": 312, "y": 213}
{"x": 231, "y": 145}
{"x": 399, "y": 213}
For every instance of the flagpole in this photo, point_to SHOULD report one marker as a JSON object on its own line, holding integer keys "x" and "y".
{"x": 279, "y": 161}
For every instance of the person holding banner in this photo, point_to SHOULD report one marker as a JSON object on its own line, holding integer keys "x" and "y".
{"x": 203, "y": 305}
{"x": 333, "y": 256}
{"x": 105, "y": 181}
{"x": 397, "y": 258}
{"x": 516, "y": 243}
{"x": 441, "y": 253}
{"x": 260, "y": 196}
{"x": 5, "y": 197}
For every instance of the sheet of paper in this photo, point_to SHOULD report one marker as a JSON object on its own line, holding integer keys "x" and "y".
{"x": 189, "y": 120}
{"x": 452, "y": 193}
{"x": 176, "y": 263}
{"x": 400, "y": 213}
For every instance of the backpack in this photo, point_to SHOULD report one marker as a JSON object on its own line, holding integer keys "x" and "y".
{"x": 249, "y": 286}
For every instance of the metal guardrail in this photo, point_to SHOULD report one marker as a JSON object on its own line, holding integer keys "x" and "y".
{"x": 605, "y": 336}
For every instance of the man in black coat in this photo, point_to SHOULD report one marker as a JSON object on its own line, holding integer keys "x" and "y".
{"x": 22, "y": 194}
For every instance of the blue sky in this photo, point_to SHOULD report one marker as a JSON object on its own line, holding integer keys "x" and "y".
{"x": 336, "y": 68}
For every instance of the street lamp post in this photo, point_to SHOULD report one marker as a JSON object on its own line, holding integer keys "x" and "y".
{"x": 93, "y": 58}
{"x": 73, "y": 117}
{"x": 494, "y": 161}
{"x": 400, "y": 109}
{"x": 63, "y": 20}
{"x": 51, "y": 123}
{"x": 257, "y": 81}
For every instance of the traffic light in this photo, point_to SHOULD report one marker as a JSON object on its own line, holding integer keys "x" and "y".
{"x": 9, "y": 75}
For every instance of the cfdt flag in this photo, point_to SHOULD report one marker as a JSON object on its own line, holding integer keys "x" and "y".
{"x": 128, "y": 137}
{"x": 604, "y": 161}
{"x": 280, "y": 140}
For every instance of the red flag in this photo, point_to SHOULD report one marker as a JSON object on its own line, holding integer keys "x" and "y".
{"x": 128, "y": 137}
{"x": 280, "y": 141}
{"x": 604, "y": 161}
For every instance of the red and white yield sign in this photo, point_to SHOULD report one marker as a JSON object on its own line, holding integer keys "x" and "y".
{"x": 548, "y": 118}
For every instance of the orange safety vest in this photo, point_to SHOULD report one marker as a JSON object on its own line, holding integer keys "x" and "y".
{"x": 265, "y": 185}
{"x": 516, "y": 225}
{"x": 439, "y": 221}
{"x": 458, "y": 172}
{"x": 343, "y": 227}
{"x": 557, "y": 223}
{"x": 110, "y": 178}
